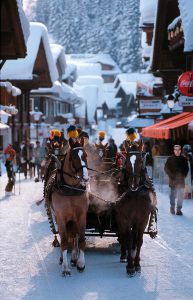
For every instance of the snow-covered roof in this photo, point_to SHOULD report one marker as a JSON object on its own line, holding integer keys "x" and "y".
{"x": 61, "y": 91}
{"x": 145, "y": 77}
{"x": 15, "y": 91}
{"x": 22, "y": 69}
{"x": 172, "y": 25}
{"x": 93, "y": 58}
{"x": 69, "y": 70}
{"x": 90, "y": 93}
{"x": 24, "y": 21}
{"x": 141, "y": 122}
{"x": 186, "y": 12}
{"x": 84, "y": 69}
{"x": 88, "y": 80}
{"x": 129, "y": 87}
{"x": 59, "y": 54}
{"x": 148, "y": 11}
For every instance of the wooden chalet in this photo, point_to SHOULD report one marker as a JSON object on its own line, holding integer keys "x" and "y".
{"x": 36, "y": 70}
{"x": 14, "y": 34}
{"x": 169, "y": 58}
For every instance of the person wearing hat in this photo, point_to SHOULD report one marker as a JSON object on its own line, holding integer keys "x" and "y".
{"x": 100, "y": 147}
{"x": 72, "y": 132}
{"x": 112, "y": 150}
{"x": 27, "y": 158}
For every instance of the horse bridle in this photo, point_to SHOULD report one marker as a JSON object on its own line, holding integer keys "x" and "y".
{"x": 76, "y": 169}
{"x": 143, "y": 166}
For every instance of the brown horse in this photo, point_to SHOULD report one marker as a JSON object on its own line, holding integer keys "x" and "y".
{"x": 70, "y": 204}
{"x": 134, "y": 207}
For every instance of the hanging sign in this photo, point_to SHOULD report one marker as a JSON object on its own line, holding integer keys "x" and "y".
{"x": 185, "y": 84}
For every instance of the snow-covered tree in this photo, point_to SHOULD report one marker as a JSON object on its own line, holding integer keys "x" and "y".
{"x": 85, "y": 26}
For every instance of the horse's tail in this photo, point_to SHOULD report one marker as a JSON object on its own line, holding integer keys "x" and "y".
{"x": 71, "y": 228}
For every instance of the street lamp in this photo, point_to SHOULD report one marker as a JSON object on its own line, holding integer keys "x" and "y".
{"x": 36, "y": 115}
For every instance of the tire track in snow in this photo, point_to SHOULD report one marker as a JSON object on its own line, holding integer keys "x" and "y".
{"x": 41, "y": 259}
{"x": 163, "y": 244}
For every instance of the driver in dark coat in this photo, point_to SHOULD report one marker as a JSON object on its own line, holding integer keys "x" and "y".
{"x": 176, "y": 168}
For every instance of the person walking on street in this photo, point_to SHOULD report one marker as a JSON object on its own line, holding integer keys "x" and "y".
{"x": 10, "y": 164}
{"x": 39, "y": 153}
{"x": 27, "y": 158}
{"x": 176, "y": 167}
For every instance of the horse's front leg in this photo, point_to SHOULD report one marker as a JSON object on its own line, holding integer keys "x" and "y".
{"x": 130, "y": 261}
{"x": 139, "y": 243}
{"x": 81, "y": 258}
{"x": 64, "y": 259}
{"x": 123, "y": 242}
{"x": 75, "y": 252}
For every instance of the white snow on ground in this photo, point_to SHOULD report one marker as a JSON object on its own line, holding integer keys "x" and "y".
{"x": 30, "y": 269}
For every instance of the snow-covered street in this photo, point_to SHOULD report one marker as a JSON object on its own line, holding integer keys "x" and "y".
{"x": 30, "y": 269}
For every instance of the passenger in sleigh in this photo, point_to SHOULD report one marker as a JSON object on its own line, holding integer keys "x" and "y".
{"x": 133, "y": 142}
{"x": 100, "y": 147}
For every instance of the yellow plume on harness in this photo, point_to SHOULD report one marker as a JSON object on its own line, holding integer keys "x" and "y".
{"x": 101, "y": 134}
{"x": 132, "y": 136}
{"x": 55, "y": 133}
{"x": 73, "y": 134}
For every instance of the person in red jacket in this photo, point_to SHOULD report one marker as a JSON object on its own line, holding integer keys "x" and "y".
{"x": 10, "y": 164}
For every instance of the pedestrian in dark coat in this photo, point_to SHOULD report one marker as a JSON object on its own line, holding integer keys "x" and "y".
{"x": 176, "y": 168}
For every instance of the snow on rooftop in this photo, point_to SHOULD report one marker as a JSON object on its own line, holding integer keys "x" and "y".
{"x": 148, "y": 11}
{"x": 88, "y": 69}
{"x": 24, "y": 21}
{"x": 93, "y": 58}
{"x": 22, "y": 69}
{"x": 69, "y": 70}
{"x": 129, "y": 87}
{"x": 59, "y": 54}
{"x": 92, "y": 81}
{"x": 61, "y": 90}
{"x": 140, "y": 78}
{"x": 186, "y": 12}
{"x": 15, "y": 91}
{"x": 91, "y": 94}
{"x": 174, "y": 23}
{"x": 83, "y": 80}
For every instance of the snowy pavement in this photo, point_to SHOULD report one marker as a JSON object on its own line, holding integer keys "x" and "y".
{"x": 30, "y": 269}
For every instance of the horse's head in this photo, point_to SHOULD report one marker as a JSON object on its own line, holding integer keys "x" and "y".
{"x": 134, "y": 163}
{"x": 101, "y": 149}
{"x": 78, "y": 160}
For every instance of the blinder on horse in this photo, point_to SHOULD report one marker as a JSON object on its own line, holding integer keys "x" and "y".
{"x": 78, "y": 157}
{"x": 135, "y": 169}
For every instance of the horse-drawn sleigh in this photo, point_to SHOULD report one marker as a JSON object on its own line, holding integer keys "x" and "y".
{"x": 119, "y": 202}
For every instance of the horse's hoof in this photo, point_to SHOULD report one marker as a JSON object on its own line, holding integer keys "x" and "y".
{"x": 80, "y": 269}
{"x": 123, "y": 259}
{"x": 73, "y": 263}
{"x": 55, "y": 243}
{"x": 138, "y": 269}
{"x": 66, "y": 273}
{"x": 131, "y": 272}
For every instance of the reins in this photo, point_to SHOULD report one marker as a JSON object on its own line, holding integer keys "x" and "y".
{"x": 83, "y": 190}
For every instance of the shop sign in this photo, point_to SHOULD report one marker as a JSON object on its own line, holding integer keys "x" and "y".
{"x": 150, "y": 104}
{"x": 185, "y": 101}
{"x": 185, "y": 84}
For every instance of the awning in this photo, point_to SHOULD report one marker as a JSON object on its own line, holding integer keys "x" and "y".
{"x": 166, "y": 128}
